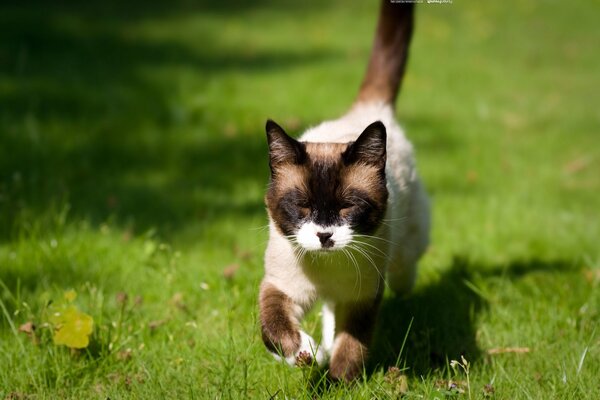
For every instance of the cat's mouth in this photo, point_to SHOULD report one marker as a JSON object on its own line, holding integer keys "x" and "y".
{"x": 323, "y": 239}
{"x": 323, "y": 251}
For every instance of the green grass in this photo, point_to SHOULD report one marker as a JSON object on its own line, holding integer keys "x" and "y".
{"x": 133, "y": 160}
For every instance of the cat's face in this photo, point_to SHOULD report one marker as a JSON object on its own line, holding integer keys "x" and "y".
{"x": 322, "y": 194}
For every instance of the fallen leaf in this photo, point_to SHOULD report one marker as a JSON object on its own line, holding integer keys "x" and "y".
{"x": 502, "y": 350}
{"x": 177, "y": 299}
{"x": 125, "y": 355}
{"x": 72, "y": 327}
{"x": 155, "y": 324}
{"x": 28, "y": 328}
{"x": 230, "y": 270}
{"x": 576, "y": 165}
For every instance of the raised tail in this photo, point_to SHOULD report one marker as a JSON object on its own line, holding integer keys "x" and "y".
{"x": 390, "y": 52}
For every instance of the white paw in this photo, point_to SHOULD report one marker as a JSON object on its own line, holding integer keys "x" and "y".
{"x": 309, "y": 351}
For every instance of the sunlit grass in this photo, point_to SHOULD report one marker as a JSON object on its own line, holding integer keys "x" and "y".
{"x": 133, "y": 168}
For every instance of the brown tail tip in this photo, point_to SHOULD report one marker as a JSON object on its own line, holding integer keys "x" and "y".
{"x": 390, "y": 53}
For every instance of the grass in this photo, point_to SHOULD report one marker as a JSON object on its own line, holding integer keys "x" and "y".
{"x": 133, "y": 166}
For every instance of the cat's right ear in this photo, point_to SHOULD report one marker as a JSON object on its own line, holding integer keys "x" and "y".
{"x": 283, "y": 149}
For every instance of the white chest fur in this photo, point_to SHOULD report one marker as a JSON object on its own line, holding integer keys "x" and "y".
{"x": 352, "y": 274}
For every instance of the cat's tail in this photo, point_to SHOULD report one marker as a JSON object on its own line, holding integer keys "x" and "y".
{"x": 390, "y": 52}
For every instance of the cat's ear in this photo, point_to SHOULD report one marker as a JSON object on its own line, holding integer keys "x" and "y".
{"x": 283, "y": 149}
{"x": 369, "y": 148}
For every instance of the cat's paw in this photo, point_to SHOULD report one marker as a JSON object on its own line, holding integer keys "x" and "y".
{"x": 308, "y": 353}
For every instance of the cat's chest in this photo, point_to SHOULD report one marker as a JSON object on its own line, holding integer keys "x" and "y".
{"x": 345, "y": 276}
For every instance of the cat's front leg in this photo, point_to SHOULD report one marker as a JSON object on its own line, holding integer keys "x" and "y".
{"x": 281, "y": 333}
{"x": 354, "y": 328}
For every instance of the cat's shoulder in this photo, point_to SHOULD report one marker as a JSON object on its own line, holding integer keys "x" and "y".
{"x": 349, "y": 126}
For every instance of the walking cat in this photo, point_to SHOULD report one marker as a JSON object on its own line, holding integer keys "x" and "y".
{"x": 346, "y": 209}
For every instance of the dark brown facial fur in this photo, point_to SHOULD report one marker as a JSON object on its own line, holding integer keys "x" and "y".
{"x": 327, "y": 183}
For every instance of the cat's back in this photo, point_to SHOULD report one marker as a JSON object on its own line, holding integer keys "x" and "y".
{"x": 400, "y": 160}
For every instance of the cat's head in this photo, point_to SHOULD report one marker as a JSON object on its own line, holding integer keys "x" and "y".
{"x": 322, "y": 194}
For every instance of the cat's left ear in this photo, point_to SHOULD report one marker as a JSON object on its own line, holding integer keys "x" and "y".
{"x": 370, "y": 147}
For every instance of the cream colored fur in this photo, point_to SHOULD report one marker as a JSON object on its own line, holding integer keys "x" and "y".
{"x": 401, "y": 239}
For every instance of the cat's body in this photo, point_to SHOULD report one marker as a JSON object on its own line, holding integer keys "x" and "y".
{"x": 347, "y": 215}
{"x": 402, "y": 236}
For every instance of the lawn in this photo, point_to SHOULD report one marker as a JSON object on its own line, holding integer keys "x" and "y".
{"x": 133, "y": 167}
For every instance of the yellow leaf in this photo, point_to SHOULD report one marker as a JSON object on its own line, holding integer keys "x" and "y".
{"x": 72, "y": 327}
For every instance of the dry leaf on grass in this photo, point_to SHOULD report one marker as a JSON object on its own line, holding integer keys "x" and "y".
{"x": 28, "y": 328}
{"x": 230, "y": 270}
{"x": 153, "y": 325}
{"x": 125, "y": 355}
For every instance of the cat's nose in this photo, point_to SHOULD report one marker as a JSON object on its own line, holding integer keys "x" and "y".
{"x": 325, "y": 238}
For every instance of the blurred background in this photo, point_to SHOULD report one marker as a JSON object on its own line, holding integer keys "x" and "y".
{"x": 133, "y": 160}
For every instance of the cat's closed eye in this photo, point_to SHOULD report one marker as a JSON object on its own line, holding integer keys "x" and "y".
{"x": 303, "y": 204}
{"x": 304, "y": 209}
{"x": 346, "y": 206}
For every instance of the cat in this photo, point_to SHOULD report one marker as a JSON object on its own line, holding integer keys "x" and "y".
{"x": 346, "y": 207}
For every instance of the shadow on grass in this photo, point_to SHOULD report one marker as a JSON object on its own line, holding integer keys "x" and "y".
{"x": 83, "y": 122}
{"x": 439, "y": 321}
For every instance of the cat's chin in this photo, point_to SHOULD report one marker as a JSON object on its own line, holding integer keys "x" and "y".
{"x": 323, "y": 251}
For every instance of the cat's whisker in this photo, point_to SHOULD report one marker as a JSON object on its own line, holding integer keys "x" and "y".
{"x": 383, "y": 253}
{"x": 371, "y": 261}
{"x": 299, "y": 255}
{"x": 404, "y": 218}
{"x": 259, "y": 228}
{"x": 367, "y": 256}
{"x": 358, "y": 280}
{"x": 377, "y": 238}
